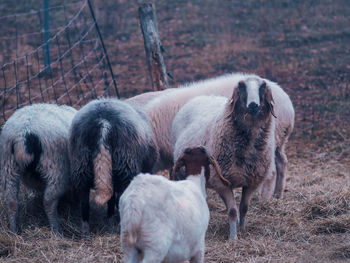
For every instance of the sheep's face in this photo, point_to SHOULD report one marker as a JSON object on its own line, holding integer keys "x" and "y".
{"x": 194, "y": 159}
{"x": 252, "y": 100}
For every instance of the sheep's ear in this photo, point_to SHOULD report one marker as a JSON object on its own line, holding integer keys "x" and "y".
{"x": 233, "y": 101}
{"x": 270, "y": 101}
{"x": 234, "y": 97}
{"x": 206, "y": 172}
{"x": 177, "y": 167}
{"x": 218, "y": 170}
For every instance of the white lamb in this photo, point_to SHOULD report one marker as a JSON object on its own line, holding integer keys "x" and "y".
{"x": 166, "y": 221}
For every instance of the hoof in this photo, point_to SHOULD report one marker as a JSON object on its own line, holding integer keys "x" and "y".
{"x": 57, "y": 230}
{"x": 13, "y": 230}
{"x": 85, "y": 229}
{"x": 242, "y": 225}
{"x": 278, "y": 195}
{"x": 233, "y": 230}
{"x": 233, "y": 237}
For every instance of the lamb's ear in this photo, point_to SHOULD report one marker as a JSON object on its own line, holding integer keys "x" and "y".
{"x": 177, "y": 167}
{"x": 207, "y": 172}
{"x": 270, "y": 101}
{"x": 218, "y": 170}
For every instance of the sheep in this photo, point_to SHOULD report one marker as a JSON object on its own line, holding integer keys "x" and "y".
{"x": 162, "y": 106}
{"x": 239, "y": 134}
{"x": 110, "y": 142}
{"x": 166, "y": 221}
{"x": 33, "y": 148}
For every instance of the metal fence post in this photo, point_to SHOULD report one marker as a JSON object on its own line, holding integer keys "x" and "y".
{"x": 46, "y": 46}
{"x": 104, "y": 48}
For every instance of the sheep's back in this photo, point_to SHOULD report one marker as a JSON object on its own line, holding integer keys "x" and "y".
{"x": 129, "y": 139}
{"x": 49, "y": 122}
{"x": 154, "y": 207}
{"x": 192, "y": 124}
{"x": 162, "y": 106}
{"x": 46, "y": 120}
{"x": 35, "y": 138}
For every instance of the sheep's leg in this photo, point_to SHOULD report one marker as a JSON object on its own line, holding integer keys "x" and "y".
{"x": 111, "y": 206}
{"x": 131, "y": 255}
{"x": 11, "y": 196}
{"x": 51, "y": 198}
{"x": 85, "y": 211}
{"x": 267, "y": 187}
{"x": 152, "y": 256}
{"x": 227, "y": 195}
{"x": 199, "y": 256}
{"x": 111, "y": 220}
{"x": 243, "y": 206}
{"x": 281, "y": 164}
{"x": 117, "y": 205}
{"x": 157, "y": 249}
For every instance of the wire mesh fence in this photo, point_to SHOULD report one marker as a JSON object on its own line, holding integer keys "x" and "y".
{"x": 78, "y": 69}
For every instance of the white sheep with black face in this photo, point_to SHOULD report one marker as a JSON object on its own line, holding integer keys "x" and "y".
{"x": 162, "y": 106}
{"x": 239, "y": 134}
{"x": 33, "y": 148}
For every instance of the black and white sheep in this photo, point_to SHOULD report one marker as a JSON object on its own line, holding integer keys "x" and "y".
{"x": 162, "y": 106}
{"x": 166, "y": 221}
{"x": 239, "y": 134}
{"x": 110, "y": 142}
{"x": 34, "y": 149}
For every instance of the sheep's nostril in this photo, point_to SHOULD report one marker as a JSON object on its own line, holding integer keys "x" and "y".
{"x": 253, "y": 108}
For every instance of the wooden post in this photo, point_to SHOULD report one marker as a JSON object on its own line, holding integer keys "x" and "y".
{"x": 154, "y": 57}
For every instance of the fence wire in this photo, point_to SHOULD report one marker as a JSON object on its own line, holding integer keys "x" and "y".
{"x": 79, "y": 68}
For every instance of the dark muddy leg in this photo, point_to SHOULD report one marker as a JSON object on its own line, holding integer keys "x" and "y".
{"x": 117, "y": 196}
{"x": 85, "y": 211}
{"x": 51, "y": 198}
{"x": 11, "y": 194}
{"x": 281, "y": 163}
{"x": 243, "y": 206}
{"x": 111, "y": 206}
{"x": 111, "y": 210}
{"x": 227, "y": 195}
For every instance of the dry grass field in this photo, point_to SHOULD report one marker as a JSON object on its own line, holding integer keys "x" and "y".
{"x": 304, "y": 46}
{"x": 311, "y": 224}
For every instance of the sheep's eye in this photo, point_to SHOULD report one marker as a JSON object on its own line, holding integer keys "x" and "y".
{"x": 262, "y": 87}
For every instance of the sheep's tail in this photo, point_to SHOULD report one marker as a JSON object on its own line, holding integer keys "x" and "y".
{"x": 24, "y": 151}
{"x": 103, "y": 168}
{"x": 131, "y": 218}
{"x": 27, "y": 150}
